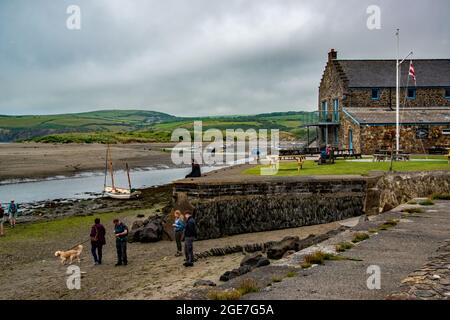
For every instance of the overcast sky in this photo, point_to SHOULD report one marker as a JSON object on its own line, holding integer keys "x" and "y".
{"x": 196, "y": 57}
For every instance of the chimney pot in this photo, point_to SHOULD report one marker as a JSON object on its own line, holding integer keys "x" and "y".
{"x": 332, "y": 55}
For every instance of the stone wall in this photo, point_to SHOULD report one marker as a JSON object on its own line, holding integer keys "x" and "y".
{"x": 376, "y": 137}
{"x": 229, "y": 208}
{"x": 392, "y": 189}
{"x": 425, "y": 97}
{"x": 234, "y": 208}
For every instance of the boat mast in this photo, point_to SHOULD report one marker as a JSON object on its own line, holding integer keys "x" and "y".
{"x": 111, "y": 169}
{"x": 128, "y": 174}
{"x": 106, "y": 168}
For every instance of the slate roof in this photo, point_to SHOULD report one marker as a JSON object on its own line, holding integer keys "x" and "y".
{"x": 381, "y": 73}
{"x": 378, "y": 116}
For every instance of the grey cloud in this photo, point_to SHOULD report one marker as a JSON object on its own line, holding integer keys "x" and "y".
{"x": 196, "y": 57}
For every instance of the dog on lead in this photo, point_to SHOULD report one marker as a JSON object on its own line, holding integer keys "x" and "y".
{"x": 70, "y": 255}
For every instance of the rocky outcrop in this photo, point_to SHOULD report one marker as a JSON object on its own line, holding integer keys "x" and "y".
{"x": 148, "y": 230}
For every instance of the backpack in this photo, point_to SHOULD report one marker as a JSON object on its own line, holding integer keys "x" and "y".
{"x": 13, "y": 208}
{"x": 95, "y": 239}
{"x": 2, "y": 213}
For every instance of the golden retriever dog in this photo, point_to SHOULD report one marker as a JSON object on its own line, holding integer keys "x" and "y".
{"x": 70, "y": 255}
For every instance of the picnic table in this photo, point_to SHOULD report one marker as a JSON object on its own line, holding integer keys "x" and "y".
{"x": 383, "y": 155}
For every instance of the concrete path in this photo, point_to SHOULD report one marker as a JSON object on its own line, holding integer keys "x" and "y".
{"x": 397, "y": 251}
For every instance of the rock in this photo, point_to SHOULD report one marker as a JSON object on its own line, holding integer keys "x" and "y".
{"x": 263, "y": 262}
{"x": 140, "y": 215}
{"x": 137, "y": 225}
{"x": 134, "y": 235}
{"x": 228, "y": 275}
{"x": 225, "y": 277}
{"x": 145, "y": 222}
{"x": 205, "y": 283}
{"x": 253, "y": 260}
{"x": 424, "y": 293}
{"x": 151, "y": 232}
{"x": 277, "y": 250}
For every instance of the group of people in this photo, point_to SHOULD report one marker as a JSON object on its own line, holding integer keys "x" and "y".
{"x": 98, "y": 240}
{"x": 10, "y": 214}
{"x": 185, "y": 227}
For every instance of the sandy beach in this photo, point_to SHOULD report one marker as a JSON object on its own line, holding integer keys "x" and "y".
{"x": 35, "y": 160}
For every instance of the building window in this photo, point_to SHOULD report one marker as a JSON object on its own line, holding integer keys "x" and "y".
{"x": 336, "y": 136}
{"x": 375, "y": 94}
{"x": 324, "y": 112}
{"x": 411, "y": 93}
{"x": 335, "y": 110}
{"x": 447, "y": 93}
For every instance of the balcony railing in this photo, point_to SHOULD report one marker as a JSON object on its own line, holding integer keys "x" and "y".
{"x": 328, "y": 116}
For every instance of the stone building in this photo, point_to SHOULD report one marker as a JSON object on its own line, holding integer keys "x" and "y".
{"x": 357, "y": 105}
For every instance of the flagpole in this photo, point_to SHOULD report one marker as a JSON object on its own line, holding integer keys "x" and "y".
{"x": 397, "y": 97}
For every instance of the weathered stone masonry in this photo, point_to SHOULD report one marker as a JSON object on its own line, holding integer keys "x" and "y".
{"x": 229, "y": 208}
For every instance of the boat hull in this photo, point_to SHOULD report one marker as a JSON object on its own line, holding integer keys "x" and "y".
{"x": 121, "y": 193}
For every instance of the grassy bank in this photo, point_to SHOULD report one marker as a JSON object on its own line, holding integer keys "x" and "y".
{"x": 342, "y": 167}
{"x": 42, "y": 231}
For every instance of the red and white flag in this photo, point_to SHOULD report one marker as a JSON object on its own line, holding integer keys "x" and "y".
{"x": 412, "y": 71}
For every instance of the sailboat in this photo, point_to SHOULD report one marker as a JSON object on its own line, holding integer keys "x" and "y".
{"x": 113, "y": 191}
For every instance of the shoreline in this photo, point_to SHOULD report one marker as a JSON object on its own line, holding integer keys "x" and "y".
{"x": 39, "y": 161}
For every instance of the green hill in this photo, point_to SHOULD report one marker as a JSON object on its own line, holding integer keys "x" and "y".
{"x": 125, "y": 126}
{"x": 13, "y": 128}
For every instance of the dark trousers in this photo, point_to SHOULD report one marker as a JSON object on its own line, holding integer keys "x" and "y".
{"x": 178, "y": 236}
{"x": 121, "y": 247}
{"x": 97, "y": 251}
{"x": 189, "y": 249}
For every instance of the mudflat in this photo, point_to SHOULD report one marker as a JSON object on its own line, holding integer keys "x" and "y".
{"x": 36, "y": 160}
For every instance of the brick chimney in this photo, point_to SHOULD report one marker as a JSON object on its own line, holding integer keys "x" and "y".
{"x": 332, "y": 55}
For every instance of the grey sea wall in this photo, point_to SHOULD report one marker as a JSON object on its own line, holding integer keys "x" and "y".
{"x": 228, "y": 207}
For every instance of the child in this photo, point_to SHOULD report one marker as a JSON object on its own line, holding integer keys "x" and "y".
{"x": 179, "y": 229}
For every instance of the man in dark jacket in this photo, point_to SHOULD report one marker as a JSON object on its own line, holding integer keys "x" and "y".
{"x": 97, "y": 241}
{"x": 121, "y": 232}
{"x": 190, "y": 232}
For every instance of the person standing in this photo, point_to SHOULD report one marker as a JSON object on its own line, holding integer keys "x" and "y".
{"x": 97, "y": 241}
{"x": 121, "y": 232}
{"x": 12, "y": 211}
{"x": 179, "y": 229}
{"x": 2, "y": 220}
{"x": 190, "y": 232}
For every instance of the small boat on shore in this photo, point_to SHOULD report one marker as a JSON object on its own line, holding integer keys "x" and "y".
{"x": 115, "y": 192}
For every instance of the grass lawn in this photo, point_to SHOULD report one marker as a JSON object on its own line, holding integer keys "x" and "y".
{"x": 342, "y": 167}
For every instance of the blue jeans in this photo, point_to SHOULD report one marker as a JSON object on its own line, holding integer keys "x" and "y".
{"x": 97, "y": 248}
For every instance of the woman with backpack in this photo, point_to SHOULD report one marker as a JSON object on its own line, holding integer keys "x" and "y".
{"x": 97, "y": 241}
{"x": 12, "y": 211}
{"x": 179, "y": 230}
